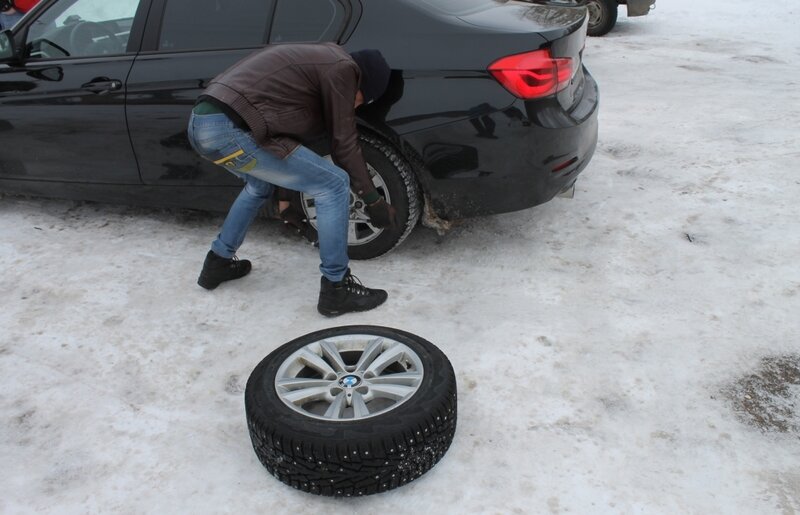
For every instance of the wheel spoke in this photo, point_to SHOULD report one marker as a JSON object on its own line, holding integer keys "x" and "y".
{"x": 360, "y": 409}
{"x": 389, "y": 356}
{"x": 305, "y": 395}
{"x": 391, "y": 391}
{"x": 336, "y": 408}
{"x": 370, "y": 353}
{"x": 330, "y": 351}
{"x": 316, "y": 362}
{"x": 351, "y": 231}
{"x": 358, "y": 215}
{"x": 296, "y": 383}
{"x": 311, "y": 212}
{"x": 405, "y": 379}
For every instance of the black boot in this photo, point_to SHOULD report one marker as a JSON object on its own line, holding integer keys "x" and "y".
{"x": 218, "y": 269}
{"x": 346, "y": 296}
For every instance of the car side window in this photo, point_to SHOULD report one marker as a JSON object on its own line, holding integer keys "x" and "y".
{"x": 214, "y": 24}
{"x": 82, "y": 28}
{"x": 307, "y": 20}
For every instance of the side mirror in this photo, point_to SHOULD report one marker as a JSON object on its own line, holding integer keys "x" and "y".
{"x": 8, "y": 50}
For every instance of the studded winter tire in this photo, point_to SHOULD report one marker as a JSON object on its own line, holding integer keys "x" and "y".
{"x": 351, "y": 411}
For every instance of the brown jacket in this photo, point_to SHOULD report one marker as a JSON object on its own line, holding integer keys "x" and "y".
{"x": 293, "y": 92}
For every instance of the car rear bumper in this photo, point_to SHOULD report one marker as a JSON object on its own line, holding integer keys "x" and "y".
{"x": 507, "y": 160}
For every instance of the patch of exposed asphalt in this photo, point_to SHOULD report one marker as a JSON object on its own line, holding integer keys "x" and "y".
{"x": 769, "y": 398}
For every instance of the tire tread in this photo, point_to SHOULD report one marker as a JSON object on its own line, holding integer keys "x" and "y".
{"x": 409, "y": 180}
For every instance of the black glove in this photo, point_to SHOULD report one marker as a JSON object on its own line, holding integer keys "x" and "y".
{"x": 381, "y": 214}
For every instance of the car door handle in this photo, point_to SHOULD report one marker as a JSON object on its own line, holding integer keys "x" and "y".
{"x": 102, "y": 85}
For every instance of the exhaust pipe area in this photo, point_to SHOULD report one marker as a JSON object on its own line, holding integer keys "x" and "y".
{"x": 568, "y": 192}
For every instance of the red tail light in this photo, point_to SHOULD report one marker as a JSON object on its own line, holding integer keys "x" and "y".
{"x": 534, "y": 74}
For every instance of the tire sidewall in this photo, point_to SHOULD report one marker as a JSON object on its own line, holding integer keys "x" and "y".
{"x": 398, "y": 195}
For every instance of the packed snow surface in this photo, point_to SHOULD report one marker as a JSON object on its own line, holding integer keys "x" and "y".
{"x": 627, "y": 351}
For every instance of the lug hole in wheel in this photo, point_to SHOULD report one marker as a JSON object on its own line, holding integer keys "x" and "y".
{"x": 362, "y": 390}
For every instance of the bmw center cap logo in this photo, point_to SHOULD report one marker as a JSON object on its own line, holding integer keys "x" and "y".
{"x": 349, "y": 381}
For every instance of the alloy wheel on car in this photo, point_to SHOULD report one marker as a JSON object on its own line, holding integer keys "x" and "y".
{"x": 359, "y": 230}
{"x": 395, "y": 180}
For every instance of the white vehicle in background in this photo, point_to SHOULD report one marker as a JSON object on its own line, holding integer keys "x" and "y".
{"x": 603, "y": 13}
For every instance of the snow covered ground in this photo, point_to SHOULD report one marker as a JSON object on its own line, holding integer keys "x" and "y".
{"x": 608, "y": 348}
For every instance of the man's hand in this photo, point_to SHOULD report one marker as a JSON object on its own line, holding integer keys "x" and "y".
{"x": 382, "y": 214}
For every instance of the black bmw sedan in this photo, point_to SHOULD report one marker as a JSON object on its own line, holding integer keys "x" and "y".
{"x": 489, "y": 109}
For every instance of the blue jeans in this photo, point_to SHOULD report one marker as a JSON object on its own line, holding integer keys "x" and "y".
{"x": 218, "y": 140}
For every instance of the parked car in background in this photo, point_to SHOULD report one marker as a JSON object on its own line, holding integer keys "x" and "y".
{"x": 603, "y": 13}
{"x": 489, "y": 109}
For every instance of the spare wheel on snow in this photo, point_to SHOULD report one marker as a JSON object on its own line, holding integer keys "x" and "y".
{"x": 351, "y": 411}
